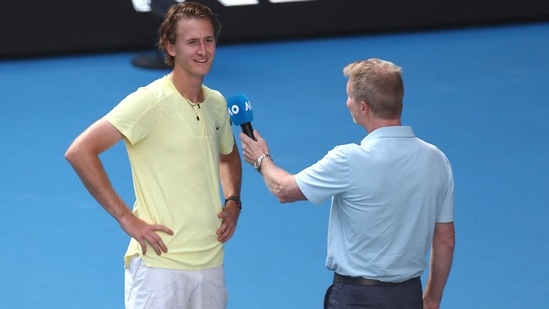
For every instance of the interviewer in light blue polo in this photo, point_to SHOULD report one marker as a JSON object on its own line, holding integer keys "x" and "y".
{"x": 392, "y": 199}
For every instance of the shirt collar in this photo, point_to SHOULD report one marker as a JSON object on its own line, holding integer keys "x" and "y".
{"x": 390, "y": 132}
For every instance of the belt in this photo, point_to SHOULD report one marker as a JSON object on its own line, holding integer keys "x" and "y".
{"x": 369, "y": 282}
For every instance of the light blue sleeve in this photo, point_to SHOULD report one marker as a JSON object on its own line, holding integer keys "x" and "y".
{"x": 445, "y": 213}
{"x": 326, "y": 178}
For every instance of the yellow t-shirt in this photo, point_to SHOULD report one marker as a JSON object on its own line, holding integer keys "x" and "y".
{"x": 174, "y": 160}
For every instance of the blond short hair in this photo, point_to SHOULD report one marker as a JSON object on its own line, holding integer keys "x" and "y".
{"x": 378, "y": 83}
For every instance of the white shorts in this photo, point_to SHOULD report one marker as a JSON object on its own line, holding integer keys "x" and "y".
{"x": 159, "y": 288}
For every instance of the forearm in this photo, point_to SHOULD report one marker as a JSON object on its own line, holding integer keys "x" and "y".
{"x": 440, "y": 264}
{"x": 281, "y": 183}
{"x": 230, "y": 171}
{"x": 92, "y": 174}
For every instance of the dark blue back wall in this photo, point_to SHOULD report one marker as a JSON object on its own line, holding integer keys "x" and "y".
{"x": 69, "y": 26}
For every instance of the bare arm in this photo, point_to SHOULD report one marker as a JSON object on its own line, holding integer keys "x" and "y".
{"x": 442, "y": 254}
{"x": 230, "y": 170}
{"x": 83, "y": 155}
{"x": 281, "y": 183}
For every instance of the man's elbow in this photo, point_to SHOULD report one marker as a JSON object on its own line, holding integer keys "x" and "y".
{"x": 71, "y": 154}
{"x": 447, "y": 243}
{"x": 74, "y": 153}
{"x": 451, "y": 243}
{"x": 288, "y": 194}
{"x": 284, "y": 198}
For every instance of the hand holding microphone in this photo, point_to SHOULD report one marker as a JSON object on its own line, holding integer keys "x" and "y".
{"x": 254, "y": 151}
{"x": 240, "y": 110}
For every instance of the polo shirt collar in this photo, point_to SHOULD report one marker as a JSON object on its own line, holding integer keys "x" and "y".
{"x": 390, "y": 132}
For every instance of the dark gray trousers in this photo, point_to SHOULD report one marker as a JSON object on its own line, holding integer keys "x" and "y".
{"x": 348, "y": 296}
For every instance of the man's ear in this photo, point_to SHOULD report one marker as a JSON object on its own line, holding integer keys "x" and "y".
{"x": 364, "y": 105}
{"x": 169, "y": 48}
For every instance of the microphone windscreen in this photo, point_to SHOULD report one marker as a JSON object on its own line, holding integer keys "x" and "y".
{"x": 240, "y": 109}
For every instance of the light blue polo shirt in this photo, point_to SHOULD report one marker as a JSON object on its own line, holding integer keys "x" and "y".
{"x": 387, "y": 194}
